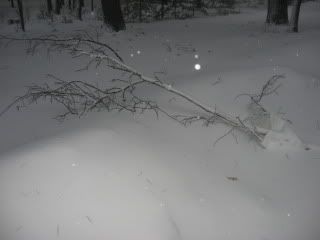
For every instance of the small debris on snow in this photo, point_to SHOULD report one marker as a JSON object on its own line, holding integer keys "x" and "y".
{"x": 162, "y": 204}
{"x": 18, "y": 228}
{"x": 149, "y": 181}
{"x": 89, "y": 219}
{"x": 58, "y": 230}
{"x": 316, "y": 83}
{"x": 232, "y": 179}
{"x": 318, "y": 125}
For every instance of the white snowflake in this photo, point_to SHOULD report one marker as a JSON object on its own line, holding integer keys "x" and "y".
{"x": 197, "y": 66}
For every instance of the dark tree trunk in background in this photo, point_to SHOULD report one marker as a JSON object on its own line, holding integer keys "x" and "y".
{"x": 113, "y": 15}
{"x": 12, "y": 3}
{"x": 140, "y": 10}
{"x": 92, "y": 8}
{"x": 49, "y": 6}
{"x": 198, "y": 3}
{"x": 20, "y": 8}
{"x": 80, "y": 5}
{"x": 163, "y": 3}
{"x": 59, "y": 4}
{"x": 277, "y": 12}
{"x": 294, "y": 21}
{"x": 69, "y": 5}
{"x": 162, "y": 8}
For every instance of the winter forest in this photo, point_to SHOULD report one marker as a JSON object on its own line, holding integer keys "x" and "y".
{"x": 159, "y": 119}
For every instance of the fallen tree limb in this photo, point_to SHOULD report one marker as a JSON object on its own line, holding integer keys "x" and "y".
{"x": 79, "y": 97}
{"x": 54, "y": 40}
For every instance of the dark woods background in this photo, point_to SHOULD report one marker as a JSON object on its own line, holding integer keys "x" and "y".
{"x": 116, "y": 13}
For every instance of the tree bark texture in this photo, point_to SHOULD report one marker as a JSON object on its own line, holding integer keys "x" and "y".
{"x": 20, "y": 8}
{"x": 80, "y": 5}
{"x": 49, "y": 6}
{"x": 113, "y": 15}
{"x": 277, "y": 12}
{"x": 58, "y": 6}
{"x": 294, "y": 21}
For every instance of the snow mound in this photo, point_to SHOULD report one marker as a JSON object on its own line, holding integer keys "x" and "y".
{"x": 278, "y": 135}
{"x": 55, "y": 190}
{"x": 285, "y": 139}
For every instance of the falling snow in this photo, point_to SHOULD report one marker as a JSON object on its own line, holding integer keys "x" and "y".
{"x": 117, "y": 176}
{"x": 197, "y": 66}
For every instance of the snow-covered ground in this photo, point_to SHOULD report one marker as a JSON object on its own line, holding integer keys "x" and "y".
{"x": 123, "y": 177}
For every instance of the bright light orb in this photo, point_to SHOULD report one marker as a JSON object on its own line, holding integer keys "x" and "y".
{"x": 197, "y": 66}
{"x": 196, "y": 56}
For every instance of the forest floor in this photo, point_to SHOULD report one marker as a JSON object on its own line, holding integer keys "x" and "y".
{"x": 133, "y": 177}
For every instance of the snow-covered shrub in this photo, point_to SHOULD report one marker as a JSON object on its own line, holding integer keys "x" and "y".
{"x": 43, "y": 14}
{"x": 65, "y": 15}
{"x": 137, "y": 10}
{"x": 146, "y": 11}
{"x": 221, "y": 7}
{"x": 225, "y": 3}
{"x": 252, "y": 3}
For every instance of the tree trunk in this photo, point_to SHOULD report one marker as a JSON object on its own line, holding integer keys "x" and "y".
{"x": 58, "y": 6}
{"x": 20, "y": 8}
{"x": 12, "y": 3}
{"x": 92, "y": 7}
{"x": 198, "y": 3}
{"x": 295, "y": 15}
{"x": 113, "y": 15}
{"x": 80, "y": 5}
{"x": 163, "y": 2}
{"x": 277, "y": 12}
{"x": 49, "y": 6}
{"x": 140, "y": 10}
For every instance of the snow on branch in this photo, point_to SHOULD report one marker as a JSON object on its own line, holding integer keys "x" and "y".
{"x": 79, "y": 97}
{"x": 270, "y": 87}
{"x": 64, "y": 43}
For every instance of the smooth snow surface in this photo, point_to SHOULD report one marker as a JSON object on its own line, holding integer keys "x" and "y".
{"x": 122, "y": 177}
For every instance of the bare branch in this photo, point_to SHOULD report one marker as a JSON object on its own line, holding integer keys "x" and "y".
{"x": 58, "y": 42}
{"x": 79, "y": 97}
